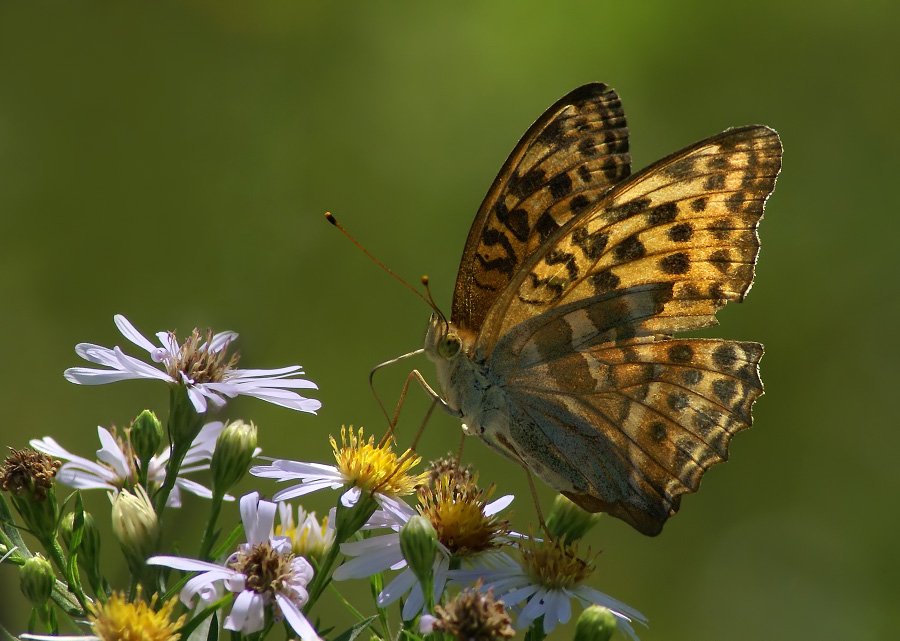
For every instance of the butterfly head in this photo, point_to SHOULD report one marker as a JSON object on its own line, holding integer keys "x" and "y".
{"x": 442, "y": 342}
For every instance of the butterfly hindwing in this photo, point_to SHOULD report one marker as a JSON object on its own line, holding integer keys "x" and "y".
{"x": 573, "y": 154}
{"x": 628, "y": 429}
{"x": 684, "y": 228}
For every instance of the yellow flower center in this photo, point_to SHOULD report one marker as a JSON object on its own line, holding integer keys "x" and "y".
{"x": 456, "y": 510}
{"x": 553, "y": 564}
{"x": 372, "y": 467}
{"x": 119, "y": 620}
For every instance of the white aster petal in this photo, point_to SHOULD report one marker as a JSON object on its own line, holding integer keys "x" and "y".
{"x": 305, "y": 488}
{"x": 498, "y": 505}
{"x": 401, "y": 584}
{"x": 247, "y": 614}
{"x": 130, "y": 332}
{"x": 295, "y": 619}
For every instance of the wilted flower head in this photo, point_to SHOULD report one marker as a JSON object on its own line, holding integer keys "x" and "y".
{"x": 28, "y": 473}
{"x": 471, "y": 615}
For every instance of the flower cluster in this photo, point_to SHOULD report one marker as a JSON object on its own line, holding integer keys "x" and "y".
{"x": 436, "y": 542}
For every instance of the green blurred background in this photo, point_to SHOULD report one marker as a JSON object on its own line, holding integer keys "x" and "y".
{"x": 171, "y": 161}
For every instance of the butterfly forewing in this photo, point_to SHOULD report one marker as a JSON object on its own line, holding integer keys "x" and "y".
{"x": 573, "y": 154}
{"x": 685, "y": 229}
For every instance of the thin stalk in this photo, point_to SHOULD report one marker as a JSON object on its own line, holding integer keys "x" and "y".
{"x": 209, "y": 533}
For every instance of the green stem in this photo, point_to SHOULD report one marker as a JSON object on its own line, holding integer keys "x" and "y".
{"x": 55, "y": 551}
{"x": 323, "y": 576}
{"x": 209, "y": 533}
{"x": 347, "y": 604}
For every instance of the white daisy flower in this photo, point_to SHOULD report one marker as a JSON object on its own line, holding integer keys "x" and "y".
{"x": 361, "y": 464}
{"x": 544, "y": 584}
{"x": 202, "y": 366}
{"x": 468, "y": 530}
{"x": 263, "y": 573}
{"x": 117, "y": 465}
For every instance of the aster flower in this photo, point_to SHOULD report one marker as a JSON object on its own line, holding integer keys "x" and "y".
{"x": 549, "y": 577}
{"x": 468, "y": 529}
{"x": 264, "y": 573}
{"x": 472, "y": 615}
{"x": 119, "y": 618}
{"x": 309, "y": 538}
{"x": 362, "y": 465}
{"x": 200, "y": 363}
{"x": 116, "y": 467}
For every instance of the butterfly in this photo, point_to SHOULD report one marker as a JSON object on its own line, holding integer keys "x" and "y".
{"x": 559, "y": 351}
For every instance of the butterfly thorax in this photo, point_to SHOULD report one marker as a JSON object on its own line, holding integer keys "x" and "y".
{"x": 465, "y": 378}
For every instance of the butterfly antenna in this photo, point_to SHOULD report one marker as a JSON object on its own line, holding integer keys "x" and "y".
{"x": 430, "y": 300}
{"x": 330, "y": 218}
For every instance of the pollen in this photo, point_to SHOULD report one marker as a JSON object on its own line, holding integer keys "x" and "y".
{"x": 121, "y": 620}
{"x": 199, "y": 363}
{"x": 456, "y": 510}
{"x": 553, "y": 564}
{"x": 372, "y": 467}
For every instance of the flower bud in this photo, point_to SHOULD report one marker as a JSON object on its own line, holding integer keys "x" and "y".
{"x": 231, "y": 458}
{"x": 567, "y": 522}
{"x": 135, "y": 526}
{"x": 146, "y": 436}
{"x": 596, "y": 623}
{"x": 418, "y": 542}
{"x": 36, "y": 579}
{"x": 89, "y": 547}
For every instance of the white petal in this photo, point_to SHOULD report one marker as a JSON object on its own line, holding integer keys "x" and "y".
{"x": 500, "y": 504}
{"x": 517, "y": 596}
{"x": 536, "y": 606}
{"x": 414, "y": 603}
{"x": 89, "y": 376}
{"x": 81, "y": 480}
{"x": 591, "y": 595}
{"x": 220, "y": 340}
{"x": 247, "y": 613}
{"x": 361, "y": 567}
{"x": 57, "y": 637}
{"x": 193, "y": 487}
{"x": 351, "y": 497}
{"x": 399, "y": 510}
{"x": 304, "y": 488}
{"x": 372, "y": 545}
{"x": 197, "y": 399}
{"x": 189, "y": 565}
{"x": 130, "y": 364}
{"x": 268, "y": 373}
{"x": 296, "y": 619}
{"x": 111, "y": 454}
{"x": 131, "y": 333}
{"x": 401, "y": 584}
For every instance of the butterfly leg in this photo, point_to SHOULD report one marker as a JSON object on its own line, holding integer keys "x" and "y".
{"x": 534, "y": 498}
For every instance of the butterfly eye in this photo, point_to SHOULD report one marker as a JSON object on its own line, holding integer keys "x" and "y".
{"x": 449, "y": 346}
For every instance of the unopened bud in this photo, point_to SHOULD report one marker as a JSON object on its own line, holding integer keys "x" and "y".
{"x": 135, "y": 526}
{"x": 89, "y": 547}
{"x": 596, "y": 623}
{"x": 418, "y": 543}
{"x": 146, "y": 436}
{"x": 231, "y": 458}
{"x": 36, "y": 579}
{"x": 567, "y": 522}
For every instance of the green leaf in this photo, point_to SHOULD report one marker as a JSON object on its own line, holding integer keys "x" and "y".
{"x": 230, "y": 541}
{"x": 355, "y": 631}
{"x": 204, "y": 614}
